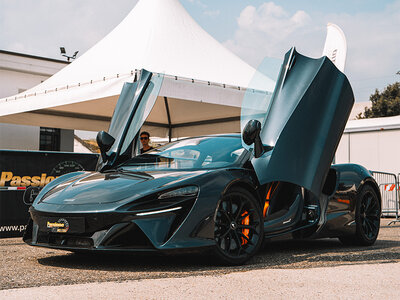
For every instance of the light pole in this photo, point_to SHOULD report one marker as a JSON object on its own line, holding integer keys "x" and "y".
{"x": 63, "y": 53}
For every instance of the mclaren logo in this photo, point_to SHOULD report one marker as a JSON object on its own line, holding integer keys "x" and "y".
{"x": 61, "y": 225}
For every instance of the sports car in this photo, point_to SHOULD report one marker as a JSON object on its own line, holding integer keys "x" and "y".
{"x": 223, "y": 193}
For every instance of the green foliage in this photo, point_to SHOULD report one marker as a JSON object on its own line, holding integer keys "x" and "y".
{"x": 384, "y": 104}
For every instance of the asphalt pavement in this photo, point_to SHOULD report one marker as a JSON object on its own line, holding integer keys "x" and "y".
{"x": 281, "y": 269}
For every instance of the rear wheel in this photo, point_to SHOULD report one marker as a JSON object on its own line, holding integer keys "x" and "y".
{"x": 239, "y": 228}
{"x": 368, "y": 212}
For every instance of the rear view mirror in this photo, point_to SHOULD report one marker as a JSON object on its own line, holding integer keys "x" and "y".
{"x": 30, "y": 194}
{"x": 105, "y": 141}
{"x": 251, "y": 134}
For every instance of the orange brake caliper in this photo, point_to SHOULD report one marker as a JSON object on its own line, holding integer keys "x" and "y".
{"x": 267, "y": 199}
{"x": 245, "y": 221}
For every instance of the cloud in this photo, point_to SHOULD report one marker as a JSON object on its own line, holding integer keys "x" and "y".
{"x": 271, "y": 19}
{"x": 373, "y": 40}
{"x": 199, "y": 3}
{"x": 212, "y": 13}
{"x": 205, "y": 9}
{"x": 263, "y": 31}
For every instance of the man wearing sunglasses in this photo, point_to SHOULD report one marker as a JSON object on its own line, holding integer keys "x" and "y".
{"x": 145, "y": 139}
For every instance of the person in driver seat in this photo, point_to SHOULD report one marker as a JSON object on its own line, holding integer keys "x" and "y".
{"x": 145, "y": 139}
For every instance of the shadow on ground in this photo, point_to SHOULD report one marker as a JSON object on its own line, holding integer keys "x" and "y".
{"x": 282, "y": 254}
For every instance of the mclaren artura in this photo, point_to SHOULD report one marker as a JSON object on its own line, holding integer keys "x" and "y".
{"x": 221, "y": 192}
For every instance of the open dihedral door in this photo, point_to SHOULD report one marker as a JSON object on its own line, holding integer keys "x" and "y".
{"x": 302, "y": 121}
{"x": 132, "y": 109}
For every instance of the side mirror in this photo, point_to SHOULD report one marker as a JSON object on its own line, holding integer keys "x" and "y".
{"x": 105, "y": 141}
{"x": 251, "y": 134}
{"x": 30, "y": 194}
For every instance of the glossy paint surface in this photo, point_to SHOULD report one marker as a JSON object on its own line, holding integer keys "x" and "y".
{"x": 304, "y": 122}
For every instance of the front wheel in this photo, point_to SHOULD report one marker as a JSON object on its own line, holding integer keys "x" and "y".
{"x": 368, "y": 215}
{"x": 239, "y": 228}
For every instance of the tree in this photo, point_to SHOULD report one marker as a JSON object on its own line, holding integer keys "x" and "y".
{"x": 384, "y": 104}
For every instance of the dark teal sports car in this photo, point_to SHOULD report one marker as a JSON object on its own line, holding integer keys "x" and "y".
{"x": 223, "y": 193}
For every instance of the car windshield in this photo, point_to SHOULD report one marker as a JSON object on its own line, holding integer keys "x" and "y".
{"x": 193, "y": 153}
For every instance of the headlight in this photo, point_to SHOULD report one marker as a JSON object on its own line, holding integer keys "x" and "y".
{"x": 181, "y": 192}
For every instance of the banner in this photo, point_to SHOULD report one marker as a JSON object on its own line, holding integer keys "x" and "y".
{"x": 22, "y": 169}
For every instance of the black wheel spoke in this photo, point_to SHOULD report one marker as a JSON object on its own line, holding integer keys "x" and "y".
{"x": 225, "y": 215}
{"x": 229, "y": 206}
{"x": 250, "y": 227}
{"x": 246, "y": 238}
{"x": 237, "y": 239}
{"x": 364, "y": 224}
{"x": 362, "y": 207}
{"x": 372, "y": 208}
{"x": 372, "y": 225}
{"x": 222, "y": 236}
{"x": 228, "y": 240}
{"x": 373, "y": 215}
{"x": 226, "y": 247}
{"x": 239, "y": 210}
{"x": 219, "y": 242}
{"x": 367, "y": 203}
{"x": 368, "y": 227}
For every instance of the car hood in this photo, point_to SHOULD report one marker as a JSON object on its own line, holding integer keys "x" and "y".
{"x": 113, "y": 187}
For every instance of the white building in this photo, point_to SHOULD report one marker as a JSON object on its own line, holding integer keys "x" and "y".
{"x": 372, "y": 143}
{"x": 19, "y": 72}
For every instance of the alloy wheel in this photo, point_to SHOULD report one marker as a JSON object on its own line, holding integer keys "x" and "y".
{"x": 370, "y": 215}
{"x": 238, "y": 227}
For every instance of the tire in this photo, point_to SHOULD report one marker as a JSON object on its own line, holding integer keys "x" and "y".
{"x": 239, "y": 227}
{"x": 368, "y": 215}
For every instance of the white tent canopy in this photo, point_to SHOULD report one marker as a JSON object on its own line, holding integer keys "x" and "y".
{"x": 157, "y": 35}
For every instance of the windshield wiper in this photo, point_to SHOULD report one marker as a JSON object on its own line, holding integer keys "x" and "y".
{"x": 134, "y": 173}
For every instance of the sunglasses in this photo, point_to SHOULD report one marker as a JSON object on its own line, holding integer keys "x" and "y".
{"x": 144, "y": 138}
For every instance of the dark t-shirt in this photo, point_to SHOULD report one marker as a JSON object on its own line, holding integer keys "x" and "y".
{"x": 142, "y": 151}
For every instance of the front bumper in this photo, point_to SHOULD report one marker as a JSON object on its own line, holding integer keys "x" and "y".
{"x": 116, "y": 231}
{"x": 119, "y": 236}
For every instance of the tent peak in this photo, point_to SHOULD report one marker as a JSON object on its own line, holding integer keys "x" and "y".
{"x": 157, "y": 35}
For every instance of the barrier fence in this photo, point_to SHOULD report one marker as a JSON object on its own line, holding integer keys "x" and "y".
{"x": 389, "y": 187}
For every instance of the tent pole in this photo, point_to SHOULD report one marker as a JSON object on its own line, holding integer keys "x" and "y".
{"x": 169, "y": 119}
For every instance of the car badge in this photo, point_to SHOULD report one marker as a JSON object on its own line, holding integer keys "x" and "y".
{"x": 61, "y": 225}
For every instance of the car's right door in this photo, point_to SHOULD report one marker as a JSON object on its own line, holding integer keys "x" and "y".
{"x": 302, "y": 121}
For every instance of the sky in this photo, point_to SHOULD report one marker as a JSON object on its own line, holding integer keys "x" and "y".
{"x": 251, "y": 29}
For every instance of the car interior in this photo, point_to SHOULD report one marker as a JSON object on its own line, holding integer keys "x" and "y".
{"x": 282, "y": 202}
